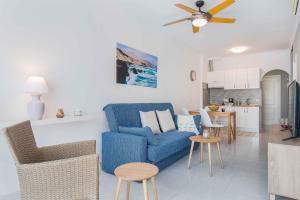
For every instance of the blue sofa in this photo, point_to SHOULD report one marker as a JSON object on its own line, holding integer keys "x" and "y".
{"x": 119, "y": 148}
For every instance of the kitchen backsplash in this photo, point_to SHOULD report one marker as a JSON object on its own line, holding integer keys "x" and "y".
{"x": 217, "y": 95}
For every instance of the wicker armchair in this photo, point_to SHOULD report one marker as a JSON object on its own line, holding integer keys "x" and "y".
{"x": 59, "y": 172}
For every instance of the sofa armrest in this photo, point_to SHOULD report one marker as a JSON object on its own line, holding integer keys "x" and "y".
{"x": 120, "y": 148}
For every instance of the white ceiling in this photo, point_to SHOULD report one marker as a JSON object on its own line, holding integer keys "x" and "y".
{"x": 261, "y": 24}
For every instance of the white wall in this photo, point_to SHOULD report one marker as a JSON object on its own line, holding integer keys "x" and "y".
{"x": 296, "y": 55}
{"x": 266, "y": 61}
{"x": 72, "y": 44}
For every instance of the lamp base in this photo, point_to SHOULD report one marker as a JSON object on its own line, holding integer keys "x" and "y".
{"x": 36, "y": 108}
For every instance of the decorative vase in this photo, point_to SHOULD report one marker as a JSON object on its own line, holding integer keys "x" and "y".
{"x": 36, "y": 108}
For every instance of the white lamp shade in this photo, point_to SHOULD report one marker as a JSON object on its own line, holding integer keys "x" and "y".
{"x": 36, "y": 85}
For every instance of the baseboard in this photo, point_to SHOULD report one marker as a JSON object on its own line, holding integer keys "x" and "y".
{"x": 11, "y": 196}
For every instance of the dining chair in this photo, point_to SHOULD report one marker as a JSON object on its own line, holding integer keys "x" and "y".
{"x": 207, "y": 123}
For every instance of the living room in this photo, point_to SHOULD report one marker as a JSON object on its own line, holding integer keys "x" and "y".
{"x": 72, "y": 46}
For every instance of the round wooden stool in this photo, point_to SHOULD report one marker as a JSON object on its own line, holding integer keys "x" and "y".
{"x": 136, "y": 172}
{"x": 208, "y": 141}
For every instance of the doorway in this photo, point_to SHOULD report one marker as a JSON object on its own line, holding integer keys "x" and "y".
{"x": 274, "y": 97}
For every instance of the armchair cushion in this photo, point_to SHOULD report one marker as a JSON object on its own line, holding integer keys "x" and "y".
{"x": 145, "y": 132}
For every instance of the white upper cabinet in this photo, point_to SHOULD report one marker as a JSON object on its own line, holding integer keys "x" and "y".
{"x": 215, "y": 79}
{"x": 253, "y": 75}
{"x": 242, "y": 79}
{"x": 229, "y": 81}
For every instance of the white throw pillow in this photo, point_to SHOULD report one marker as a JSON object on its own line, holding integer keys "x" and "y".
{"x": 149, "y": 119}
{"x": 186, "y": 123}
{"x": 165, "y": 120}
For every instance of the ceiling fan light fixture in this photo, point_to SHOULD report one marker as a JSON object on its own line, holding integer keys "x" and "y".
{"x": 199, "y": 22}
{"x": 239, "y": 49}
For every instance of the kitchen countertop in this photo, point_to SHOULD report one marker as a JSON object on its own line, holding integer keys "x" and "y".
{"x": 248, "y": 106}
{"x": 251, "y": 105}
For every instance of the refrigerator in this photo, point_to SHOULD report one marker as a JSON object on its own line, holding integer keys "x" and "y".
{"x": 205, "y": 94}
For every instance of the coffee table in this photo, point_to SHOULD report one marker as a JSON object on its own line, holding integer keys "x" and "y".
{"x": 211, "y": 140}
{"x": 137, "y": 171}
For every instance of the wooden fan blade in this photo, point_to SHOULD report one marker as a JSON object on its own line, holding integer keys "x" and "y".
{"x": 177, "y": 21}
{"x": 221, "y": 7}
{"x": 186, "y": 8}
{"x": 222, "y": 20}
{"x": 196, "y": 29}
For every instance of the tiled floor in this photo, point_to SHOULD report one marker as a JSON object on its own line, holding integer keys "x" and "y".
{"x": 244, "y": 176}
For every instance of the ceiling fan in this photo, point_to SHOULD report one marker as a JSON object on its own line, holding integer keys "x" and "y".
{"x": 200, "y": 18}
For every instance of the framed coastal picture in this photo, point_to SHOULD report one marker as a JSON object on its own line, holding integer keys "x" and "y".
{"x": 135, "y": 67}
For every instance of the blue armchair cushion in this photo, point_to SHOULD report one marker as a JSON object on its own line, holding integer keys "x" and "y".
{"x": 145, "y": 132}
{"x": 169, "y": 143}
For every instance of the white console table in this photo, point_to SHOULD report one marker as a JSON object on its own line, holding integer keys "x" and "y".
{"x": 51, "y": 121}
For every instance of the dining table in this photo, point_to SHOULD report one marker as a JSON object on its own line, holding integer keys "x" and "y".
{"x": 231, "y": 126}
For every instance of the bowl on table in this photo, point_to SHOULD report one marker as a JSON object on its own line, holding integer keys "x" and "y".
{"x": 213, "y": 107}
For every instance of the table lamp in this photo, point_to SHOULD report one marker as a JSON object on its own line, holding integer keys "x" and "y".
{"x": 36, "y": 86}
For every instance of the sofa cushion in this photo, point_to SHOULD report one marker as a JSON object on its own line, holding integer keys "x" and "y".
{"x": 145, "y": 132}
{"x": 127, "y": 114}
{"x": 169, "y": 144}
{"x": 186, "y": 123}
{"x": 197, "y": 120}
{"x": 166, "y": 120}
{"x": 149, "y": 119}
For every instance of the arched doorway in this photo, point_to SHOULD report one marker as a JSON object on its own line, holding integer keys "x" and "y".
{"x": 274, "y": 96}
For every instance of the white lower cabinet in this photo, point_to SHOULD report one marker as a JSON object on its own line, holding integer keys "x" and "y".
{"x": 247, "y": 118}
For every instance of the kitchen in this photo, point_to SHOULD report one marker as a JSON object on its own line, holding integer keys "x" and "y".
{"x": 236, "y": 90}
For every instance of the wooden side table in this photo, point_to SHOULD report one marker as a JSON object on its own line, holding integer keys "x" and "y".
{"x": 137, "y": 172}
{"x": 208, "y": 141}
